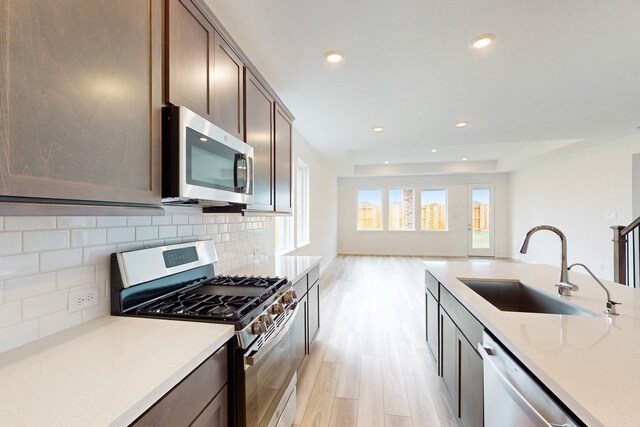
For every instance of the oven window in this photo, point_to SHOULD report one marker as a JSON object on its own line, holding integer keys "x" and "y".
{"x": 209, "y": 162}
{"x": 267, "y": 380}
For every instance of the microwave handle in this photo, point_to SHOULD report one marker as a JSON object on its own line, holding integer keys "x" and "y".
{"x": 240, "y": 159}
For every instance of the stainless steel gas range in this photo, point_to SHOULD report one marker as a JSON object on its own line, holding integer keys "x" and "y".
{"x": 179, "y": 282}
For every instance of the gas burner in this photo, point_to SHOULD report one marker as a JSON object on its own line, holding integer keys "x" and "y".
{"x": 261, "y": 282}
{"x": 189, "y": 304}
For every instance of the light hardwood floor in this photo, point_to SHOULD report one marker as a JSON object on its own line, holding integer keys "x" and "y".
{"x": 370, "y": 365}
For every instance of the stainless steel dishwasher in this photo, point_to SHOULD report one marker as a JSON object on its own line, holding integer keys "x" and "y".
{"x": 511, "y": 396}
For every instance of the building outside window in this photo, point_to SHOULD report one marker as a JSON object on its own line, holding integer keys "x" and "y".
{"x": 302, "y": 203}
{"x": 433, "y": 210}
{"x": 401, "y": 209}
{"x": 369, "y": 210}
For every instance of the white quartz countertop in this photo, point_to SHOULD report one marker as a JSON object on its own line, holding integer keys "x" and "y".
{"x": 104, "y": 372}
{"x": 291, "y": 267}
{"x": 590, "y": 363}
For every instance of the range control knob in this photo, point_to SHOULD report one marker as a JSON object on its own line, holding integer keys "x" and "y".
{"x": 258, "y": 328}
{"x": 266, "y": 319}
{"x": 277, "y": 308}
{"x": 288, "y": 298}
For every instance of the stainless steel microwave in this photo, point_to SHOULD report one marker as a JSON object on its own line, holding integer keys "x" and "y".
{"x": 201, "y": 163}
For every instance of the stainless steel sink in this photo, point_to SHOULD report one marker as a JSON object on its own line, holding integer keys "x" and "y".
{"x": 511, "y": 295}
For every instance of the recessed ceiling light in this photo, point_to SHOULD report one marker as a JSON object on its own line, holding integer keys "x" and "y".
{"x": 334, "y": 56}
{"x": 378, "y": 129}
{"x": 462, "y": 124}
{"x": 203, "y": 139}
{"x": 482, "y": 41}
{"x": 464, "y": 159}
{"x": 386, "y": 162}
{"x": 435, "y": 150}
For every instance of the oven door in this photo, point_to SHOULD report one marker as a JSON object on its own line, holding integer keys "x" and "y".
{"x": 269, "y": 372}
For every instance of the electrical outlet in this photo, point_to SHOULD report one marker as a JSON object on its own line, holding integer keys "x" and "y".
{"x": 82, "y": 299}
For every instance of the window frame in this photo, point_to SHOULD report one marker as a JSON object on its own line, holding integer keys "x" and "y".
{"x": 446, "y": 205}
{"x": 302, "y": 207}
{"x": 382, "y": 216}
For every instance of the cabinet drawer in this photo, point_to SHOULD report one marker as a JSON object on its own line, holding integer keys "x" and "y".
{"x": 431, "y": 284}
{"x": 215, "y": 414}
{"x": 184, "y": 402}
{"x": 470, "y": 327}
{"x": 300, "y": 287}
{"x": 314, "y": 276}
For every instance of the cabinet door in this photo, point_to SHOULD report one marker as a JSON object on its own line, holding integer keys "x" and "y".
{"x": 314, "y": 312}
{"x": 283, "y": 161}
{"x": 80, "y": 100}
{"x": 432, "y": 325}
{"x": 258, "y": 121}
{"x": 190, "y": 53}
{"x": 301, "y": 329}
{"x": 471, "y": 385}
{"x": 215, "y": 414}
{"x": 449, "y": 356}
{"x": 228, "y": 79}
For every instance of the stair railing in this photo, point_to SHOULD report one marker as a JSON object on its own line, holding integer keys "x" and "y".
{"x": 626, "y": 254}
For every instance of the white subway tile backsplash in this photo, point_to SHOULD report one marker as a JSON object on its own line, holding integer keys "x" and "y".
{"x": 76, "y": 222}
{"x": 56, "y": 322}
{"x": 165, "y": 231}
{"x": 111, "y": 221}
{"x": 26, "y": 287}
{"x": 180, "y": 219}
{"x": 146, "y": 233}
{"x": 93, "y": 237}
{"x": 10, "y": 314}
{"x": 29, "y": 222}
{"x": 76, "y": 277}
{"x": 97, "y": 254}
{"x": 18, "y": 334}
{"x": 18, "y": 265}
{"x": 43, "y": 258}
{"x": 10, "y": 243}
{"x": 37, "y": 241}
{"x": 185, "y": 230}
{"x": 161, "y": 220}
{"x": 134, "y": 221}
{"x": 119, "y": 235}
{"x": 44, "y": 304}
{"x": 59, "y": 260}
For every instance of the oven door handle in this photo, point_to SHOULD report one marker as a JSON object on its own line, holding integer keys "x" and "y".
{"x": 252, "y": 360}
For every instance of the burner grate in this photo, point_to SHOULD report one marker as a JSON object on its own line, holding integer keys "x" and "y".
{"x": 190, "y": 304}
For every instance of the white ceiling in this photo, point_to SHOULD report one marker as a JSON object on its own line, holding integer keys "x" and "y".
{"x": 561, "y": 73}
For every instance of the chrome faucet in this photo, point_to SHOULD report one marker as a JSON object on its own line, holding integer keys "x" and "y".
{"x": 611, "y": 304}
{"x": 564, "y": 286}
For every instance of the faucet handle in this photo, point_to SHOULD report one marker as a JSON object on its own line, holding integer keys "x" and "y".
{"x": 611, "y": 307}
{"x": 565, "y": 288}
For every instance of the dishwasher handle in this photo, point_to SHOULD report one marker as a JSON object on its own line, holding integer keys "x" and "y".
{"x": 486, "y": 352}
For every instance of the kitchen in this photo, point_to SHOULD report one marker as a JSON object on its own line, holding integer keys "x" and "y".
{"x": 89, "y": 102}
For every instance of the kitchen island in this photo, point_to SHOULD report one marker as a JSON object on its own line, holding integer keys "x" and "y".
{"x": 587, "y": 362}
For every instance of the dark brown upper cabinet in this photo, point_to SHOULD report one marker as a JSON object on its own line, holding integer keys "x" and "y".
{"x": 190, "y": 54}
{"x": 204, "y": 73}
{"x": 228, "y": 82}
{"x": 259, "y": 114}
{"x": 283, "y": 161}
{"x": 80, "y": 100}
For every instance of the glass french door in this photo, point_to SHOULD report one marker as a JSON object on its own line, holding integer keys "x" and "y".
{"x": 481, "y": 220}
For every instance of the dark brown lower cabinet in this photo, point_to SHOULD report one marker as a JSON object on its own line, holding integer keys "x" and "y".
{"x": 455, "y": 333}
{"x": 314, "y": 311}
{"x": 200, "y": 399}
{"x": 471, "y": 402}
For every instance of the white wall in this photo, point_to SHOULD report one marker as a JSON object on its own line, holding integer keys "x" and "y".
{"x": 43, "y": 259}
{"x": 323, "y": 189}
{"x": 450, "y": 243}
{"x": 576, "y": 193}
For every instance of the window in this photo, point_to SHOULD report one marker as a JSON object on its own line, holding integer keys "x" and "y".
{"x": 302, "y": 203}
{"x": 401, "y": 209}
{"x": 434, "y": 210}
{"x": 369, "y": 209}
{"x": 283, "y": 234}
